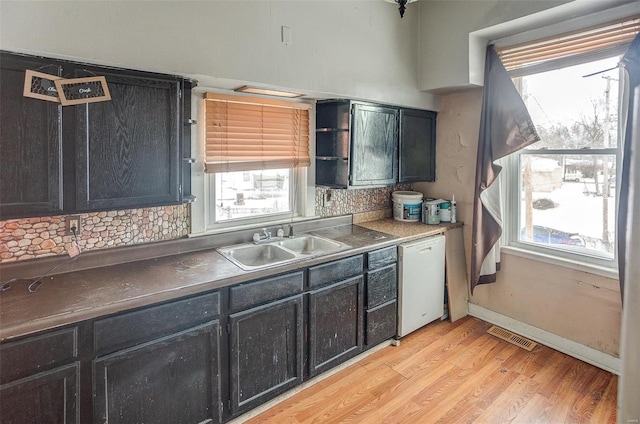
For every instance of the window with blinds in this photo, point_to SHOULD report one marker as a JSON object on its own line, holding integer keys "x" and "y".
{"x": 599, "y": 41}
{"x": 247, "y": 133}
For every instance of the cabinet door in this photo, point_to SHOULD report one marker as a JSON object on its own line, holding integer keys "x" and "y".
{"x": 417, "y": 145}
{"x": 266, "y": 352}
{"x": 30, "y": 141}
{"x": 172, "y": 380}
{"x": 335, "y": 324}
{"x": 46, "y": 397}
{"x": 128, "y": 149}
{"x": 374, "y": 153}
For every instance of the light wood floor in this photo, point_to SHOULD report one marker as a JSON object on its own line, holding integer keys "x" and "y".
{"x": 456, "y": 373}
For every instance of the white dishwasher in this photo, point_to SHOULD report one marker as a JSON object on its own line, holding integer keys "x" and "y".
{"x": 421, "y": 283}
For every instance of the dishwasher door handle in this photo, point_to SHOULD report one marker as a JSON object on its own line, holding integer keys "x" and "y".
{"x": 425, "y": 249}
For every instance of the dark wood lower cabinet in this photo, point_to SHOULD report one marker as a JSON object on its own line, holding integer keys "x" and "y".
{"x": 266, "y": 352}
{"x": 335, "y": 324}
{"x": 169, "y": 364}
{"x": 171, "y": 380}
{"x": 46, "y": 397}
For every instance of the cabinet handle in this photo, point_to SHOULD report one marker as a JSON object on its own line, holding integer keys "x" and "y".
{"x": 425, "y": 249}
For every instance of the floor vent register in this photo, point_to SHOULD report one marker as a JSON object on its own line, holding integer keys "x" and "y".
{"x": 512, "y": 338}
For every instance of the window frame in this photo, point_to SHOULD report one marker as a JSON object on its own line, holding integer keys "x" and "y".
{"x": 591, "y": 262}
{"x": 201, "y": 224}
{"x": 297, "y": 200}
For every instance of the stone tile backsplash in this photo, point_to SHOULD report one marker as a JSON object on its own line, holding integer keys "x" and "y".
{"x": 30, "y": 238}
{"x": 358, "y": 200}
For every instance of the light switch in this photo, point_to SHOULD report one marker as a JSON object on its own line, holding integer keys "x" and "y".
{"x": 287, "y": 36}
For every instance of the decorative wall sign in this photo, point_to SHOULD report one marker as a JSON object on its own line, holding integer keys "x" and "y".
{"x": 82, "y": 90}
{"x": 41, "y": 86}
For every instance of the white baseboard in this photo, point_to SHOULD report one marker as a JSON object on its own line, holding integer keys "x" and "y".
{"x": 579, "y": 351}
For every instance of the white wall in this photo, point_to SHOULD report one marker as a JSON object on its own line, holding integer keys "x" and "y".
{"x": 454, "y": 34}
{"x": 358, "y": 49}
{"x": 445, "y": 27}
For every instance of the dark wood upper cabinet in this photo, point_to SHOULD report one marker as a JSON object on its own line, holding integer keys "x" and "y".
{"x": 30, "y": 142}
{"x": 374, "y": 145}
{"x": 368, "y": 145}
{"x": 129, "y": 152}
{"x": 417, "y": 145}
{"x": 128, "y": 149}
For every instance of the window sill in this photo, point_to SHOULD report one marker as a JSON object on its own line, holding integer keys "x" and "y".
{"x": 567, "y": 263}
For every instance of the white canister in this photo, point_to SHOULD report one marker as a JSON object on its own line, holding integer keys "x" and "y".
{"x": 432, "y": 211}
{"x": 445, "y": 211}
{"x": 407, "y": 205}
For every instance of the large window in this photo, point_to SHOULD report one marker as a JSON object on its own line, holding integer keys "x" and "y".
{"x": 565, "y": 196}
{"x": 256, "y": 151}
{"x": 562, "y": 191}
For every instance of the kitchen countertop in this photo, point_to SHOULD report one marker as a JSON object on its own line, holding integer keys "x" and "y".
{"x": 81, "y": 295}
{"x": 408, "y": 231}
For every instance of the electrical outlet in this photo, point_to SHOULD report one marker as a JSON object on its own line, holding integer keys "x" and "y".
{"x": 74, "y": 224}
{"x": 327, "y": 199}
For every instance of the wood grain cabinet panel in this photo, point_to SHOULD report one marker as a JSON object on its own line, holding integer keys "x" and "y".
{"x": 374, "y": 145}
{"x": 127, "y": 149}
{"x": 335, "y": 271}
{"x": 38, "y": 353}
{"x": 131, "y": 151}
{"x": 382, "y": 286}
{"x": 248, "y": 295}
{"x": 417, "y": 145}
{"x": 47, "y": 397}
{"x": 382, "y": 257}
{"x": 172, "y": 380}
{"x": 335, "y": 324}
{"x": 132, "y": 328}
{"x": 30, "y": 141}
{"x": 266, "y": 352}
{"x": 381, "y": 323}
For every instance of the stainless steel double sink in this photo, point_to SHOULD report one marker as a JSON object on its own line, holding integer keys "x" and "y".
{"x": 251, "y": 256}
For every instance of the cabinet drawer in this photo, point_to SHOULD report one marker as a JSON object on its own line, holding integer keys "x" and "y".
{"x": 381, "y": 323}
{"x": 245, "y": 296}
{"x": 131, "y": 328}
{"x": 335, "y": 271}
{"x": 383, "y": 257}
{"x": 381, "y": 286}
{"x": 38, "y": 353}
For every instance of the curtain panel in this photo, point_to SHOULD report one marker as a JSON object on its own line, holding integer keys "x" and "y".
{"x": 631, "y": 65}
{"x": 505, "y": 128}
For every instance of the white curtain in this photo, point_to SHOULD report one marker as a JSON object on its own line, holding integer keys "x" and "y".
{"x": 629, "y": 384}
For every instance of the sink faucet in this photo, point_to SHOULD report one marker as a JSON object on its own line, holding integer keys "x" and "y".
{"x": 263, "y": 235}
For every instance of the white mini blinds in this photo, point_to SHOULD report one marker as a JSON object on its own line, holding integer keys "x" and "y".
{"x": 249, "y": 133}
{"x": 605, "y": 39}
